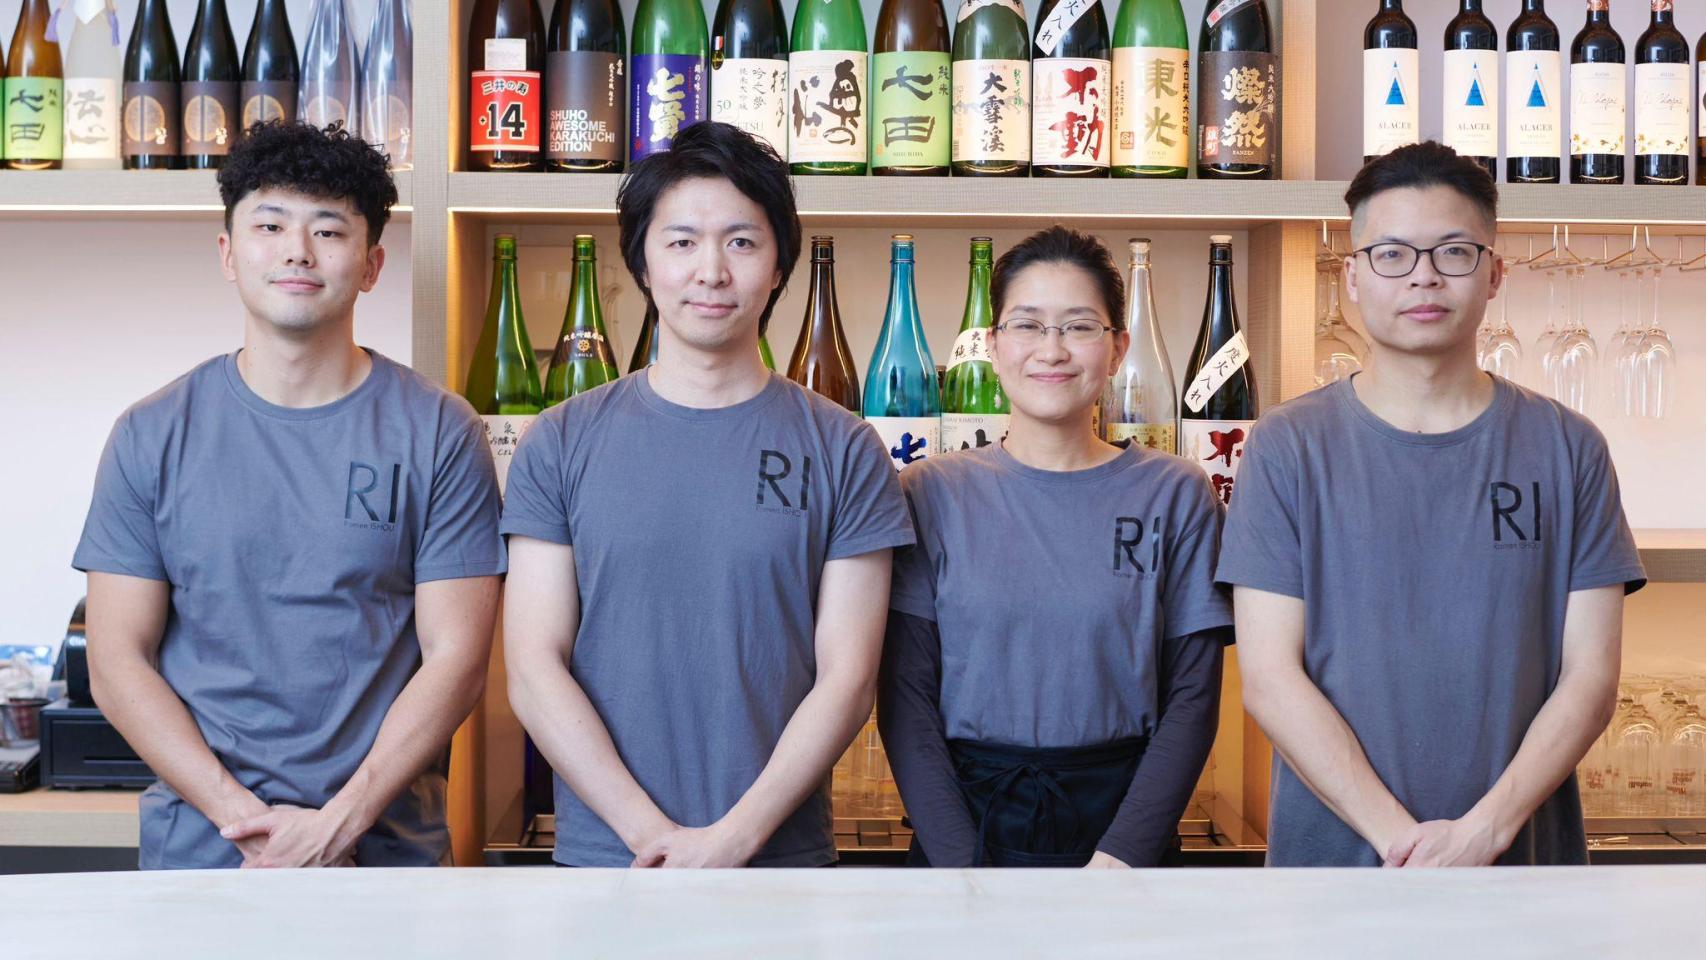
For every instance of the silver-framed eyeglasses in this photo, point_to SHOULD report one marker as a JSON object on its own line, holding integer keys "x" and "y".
{"x": 1072, "y": 331}
{"x": 1394, "y": 259}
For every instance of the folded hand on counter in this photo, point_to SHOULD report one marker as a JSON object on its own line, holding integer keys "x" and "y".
{"x": 293, "y": 836}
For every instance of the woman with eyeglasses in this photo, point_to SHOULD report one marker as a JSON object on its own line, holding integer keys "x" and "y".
{"x": 1051, "y": 674}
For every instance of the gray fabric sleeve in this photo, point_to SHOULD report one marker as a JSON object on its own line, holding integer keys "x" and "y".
{"x": 1148, "y": 818}
{"x": 909, "y": 717}
{"x": 1603, "y": 549}
{"x": 870, "y": 513}
{"x": 536, "y": 503}
{"x": 1262, "y": 546}
{"x": 119, "y": 535}
{"x": 461, "y": 536}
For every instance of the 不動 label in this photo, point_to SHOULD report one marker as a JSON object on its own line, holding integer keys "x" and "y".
{"x": 1069, "y": 119}
{"x": 1218, "y": 447}
{"x": 503, "y": 435}
{"x": 909, "y": 439}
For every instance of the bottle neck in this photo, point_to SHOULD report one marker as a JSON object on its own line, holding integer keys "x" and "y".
{"x": 1392, "y": 6}
{"x": 1534, "y": 6}
{"x": 823, "y": 298}
{"x": 1599, "y": 12}
{"x": 1663, "y": 14}
{"x": 1222, "y": 314}
{"x": 505, "y": 302}
{"x": 979, "y": 314}
{"x": 587, "y": 315}
{"x": 903, "y": 321}
{"x": 1470, "y": 7}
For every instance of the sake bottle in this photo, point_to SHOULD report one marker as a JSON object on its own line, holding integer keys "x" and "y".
{"x": 272, "y": 75}
{"x": 1142, "y": 401}
{"x": 1533, "y": 86}
{"x": 1391, "y": 80}
{"x": 764, "y": 355}
{"x": 331, "y": 69}
{"x": 1238, "y": 122}
{"x": 1471, "y": 92}
{"x": 1151, "y": 91}
{"x": 828, "y": 108}
{"x": 991, "y": 90}
{"x": 974, "y": 410}
{"x": 94, "y": 86}
{"x": 1070, "y": 74}
{"x": 506, "y": 64}
{"x": 503, "y": 381}
{"x": 902, "y": 397}
{"x": 668, "y": 89}
{"x": 749, "y": 69}
{"x": 586, "y": 87}
{"x": 34, "y": 93}
{"x": 1220, "y": 385}
{"x": 583, "y": 358}
{"x": 821, "y": 361}
{"x": 387, "y": 84}
{"x": 911, "y": 90}
{"x": 213, "y": 79}
{"x": 1599, "y": 111}
{"x": 152, "y": 74}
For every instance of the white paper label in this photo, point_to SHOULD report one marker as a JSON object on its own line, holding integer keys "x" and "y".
{"x": 503, "y": 435}
{"x": 1060, "y": 20}
{"x": 1154, "y": 436}
{"x": 752, "y": 94}
{"x": 506, "y": 54}
{"x": 1599, "y": 115}
{"x": 91, "y": 119}
{"x": 909, "y": 439}
{"x": 1223, "y": 9}
{"x": 87, "y": 10}
{"x": 970, "y": 345}
{"x": 1472, "y": 102}
{"x": 1151, "y": 107}
{"x": 1661, "y": 108}
{"x": 828, "y": 110}
{"x": 1217, "y": 371}
{"x": 1391, "y": 110}
{"x": 969, "y": 431}
{"x": 1069, "y": 112}
{"x": 1218, "y": 447}
{"x": 1531, "y": 104}
{"x": 992, "y": 110}
{"x": 970, "y": 7}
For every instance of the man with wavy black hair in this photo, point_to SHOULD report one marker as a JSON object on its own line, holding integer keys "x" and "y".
{"x": 292, "y": 550}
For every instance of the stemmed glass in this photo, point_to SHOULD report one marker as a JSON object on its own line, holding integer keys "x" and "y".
{"x": 1575, "y": 355}
{"x": 1501, "y": 353}
{"x": 1339, "y": 350}
{"x": 1653, "y": 363}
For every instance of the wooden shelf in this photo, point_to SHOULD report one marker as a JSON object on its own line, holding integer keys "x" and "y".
{"x": 69, "y": 818}
{"x": 1673, "y": 556}
{"x": 100, "y": 194}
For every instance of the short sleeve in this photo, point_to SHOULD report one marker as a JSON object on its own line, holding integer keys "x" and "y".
{"x": 870, "y": 513}
{"x": 913, "y": 590}
{"x": 1603, "y": 549}
{"x": 535, "y": 502}
{"x": 461, "y": 536}
{"x": 1194, "y": 602}
{"x": 1262, "y": 546}
{"x": 119, "y": 535}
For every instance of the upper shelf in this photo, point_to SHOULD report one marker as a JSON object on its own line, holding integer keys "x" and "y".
{"x": 840, "y": 200}
{"x": 122, "y": 193}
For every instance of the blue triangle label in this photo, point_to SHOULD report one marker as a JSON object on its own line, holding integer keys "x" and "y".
{"x": 1395, "y": 96}
{"x": 1475, "y": 97}
{"x": 1537, "y": 94}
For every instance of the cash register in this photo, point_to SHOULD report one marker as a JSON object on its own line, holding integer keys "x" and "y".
{"x": 79, "y": 748}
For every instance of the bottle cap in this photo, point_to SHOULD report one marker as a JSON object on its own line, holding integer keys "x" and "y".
{"x": 1225, "y": 238}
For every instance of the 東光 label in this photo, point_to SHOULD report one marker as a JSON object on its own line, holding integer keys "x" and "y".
{"x": 1472, "y": 102}
{"x": 503, "y": 435}
{"x": 1598, "y": 115}
{"x": 909, "y": 439}
{"x": 1533, "y": 79}
{"x": 969, "y": 431}
{"x": 1661, "y": 108}
{"x": 1218, "y": 447}
{"x": 1151, "y": 107}
{"x": 1391, "y": 109}
{"x": 827, "y": 106}
{"x": 912, "y": 94}
{"x": 1069, "y": 117}
{"x": 752, "y": 94}
{"x": 992, "y": 111}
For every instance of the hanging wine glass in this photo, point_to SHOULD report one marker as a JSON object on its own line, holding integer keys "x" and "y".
{"x": 1620, "y": 349}
{"x": 1575, "y": 354}
{"x": 1548, "y": 337}
{"x": 1654, "y": 363}
{"x": 1502, "y": 356}
{"x": 1339, "y": 350}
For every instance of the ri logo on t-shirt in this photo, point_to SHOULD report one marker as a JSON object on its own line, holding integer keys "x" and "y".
{"x": 370, "y": 500}
{"x": 1132, "y": 558}
{"x": 1516, "y": 515}
{"x": 784, "y": 485}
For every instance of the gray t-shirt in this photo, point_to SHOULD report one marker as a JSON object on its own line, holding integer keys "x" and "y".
{"x": 699, "y": 539}
{"x": 1053, "y": 591}
{"x": 293, "y": 540}
{"x": 1435, "y": 570}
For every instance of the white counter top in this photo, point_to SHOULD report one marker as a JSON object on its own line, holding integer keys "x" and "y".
{"x": 490, "y": 914}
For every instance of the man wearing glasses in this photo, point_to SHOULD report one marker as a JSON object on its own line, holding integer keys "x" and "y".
{"x": 1429, "y": 566}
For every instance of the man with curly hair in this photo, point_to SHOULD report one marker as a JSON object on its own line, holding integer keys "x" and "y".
{"x": 293, "y": 551}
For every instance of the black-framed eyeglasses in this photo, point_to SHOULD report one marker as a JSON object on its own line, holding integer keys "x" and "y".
{"x": 1072, "y": 331}
{"x": 1394, "y": 259}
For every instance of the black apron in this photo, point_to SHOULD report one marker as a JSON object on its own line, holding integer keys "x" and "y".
{"x": 1041, "y": 806}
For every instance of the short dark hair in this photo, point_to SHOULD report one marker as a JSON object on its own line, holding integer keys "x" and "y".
{"x": 330, "y": 163}
{"x": 711, "y": 150}
{"x": 1419, "y": 165}
{"x": 1060, "y": 244}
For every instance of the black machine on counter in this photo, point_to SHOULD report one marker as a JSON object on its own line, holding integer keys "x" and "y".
{"x": 79, "y": 748}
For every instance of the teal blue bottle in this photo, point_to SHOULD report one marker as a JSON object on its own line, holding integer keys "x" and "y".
{"x": 902, "y": 397}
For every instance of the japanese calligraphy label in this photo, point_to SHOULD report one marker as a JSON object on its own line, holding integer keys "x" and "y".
{"x": 1216, "y": 371}
{"x": 503, "y": 435}
{"x": 151, "y": 118}
{"x": 1155, "y": 436}
{"x": 970, "y": 345}
{"x": 668, "y": 96}
{"x": 827, "y": 111}
{"x": 1151, "y": 107}
{"x": 1224, "y": 9}
{"x": 1218, "y": 447}
{"x": 992, "y": 108}
{"x": 1391, "y": 110}
{"x": 584, "y": 99}
{"x": 1060, "y": 20}
{"x": 91, "y": 118}
{"x": 1472, "y": 102}
{"x": 210, "y": 117}
{"x": 504, "y": 108}
{"x": 1237, "y": 120}
{"x": 970, "y": 7}
{"x": 34, "y": 110}
{"x": 1069, "y": 112}
{"x": 1531, "y": 103}
{"x": 909, "y": 439}
{"x": 1598, "y": 113}
{"x": 1661, "y": 108}
{"x": 265, "y": 100}
{"x": 752, "y": 94}
{"x": 913, "y": 96}
{"x": 969, "y": 431}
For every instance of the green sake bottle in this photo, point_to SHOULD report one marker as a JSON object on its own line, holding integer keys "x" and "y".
{"x": 583, "y": 358}
{"x": 503, "y": 381}
{"x": 974, "y": 410}
{"x": 1152, "y": 91}
{"x": 828, "y": 108}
